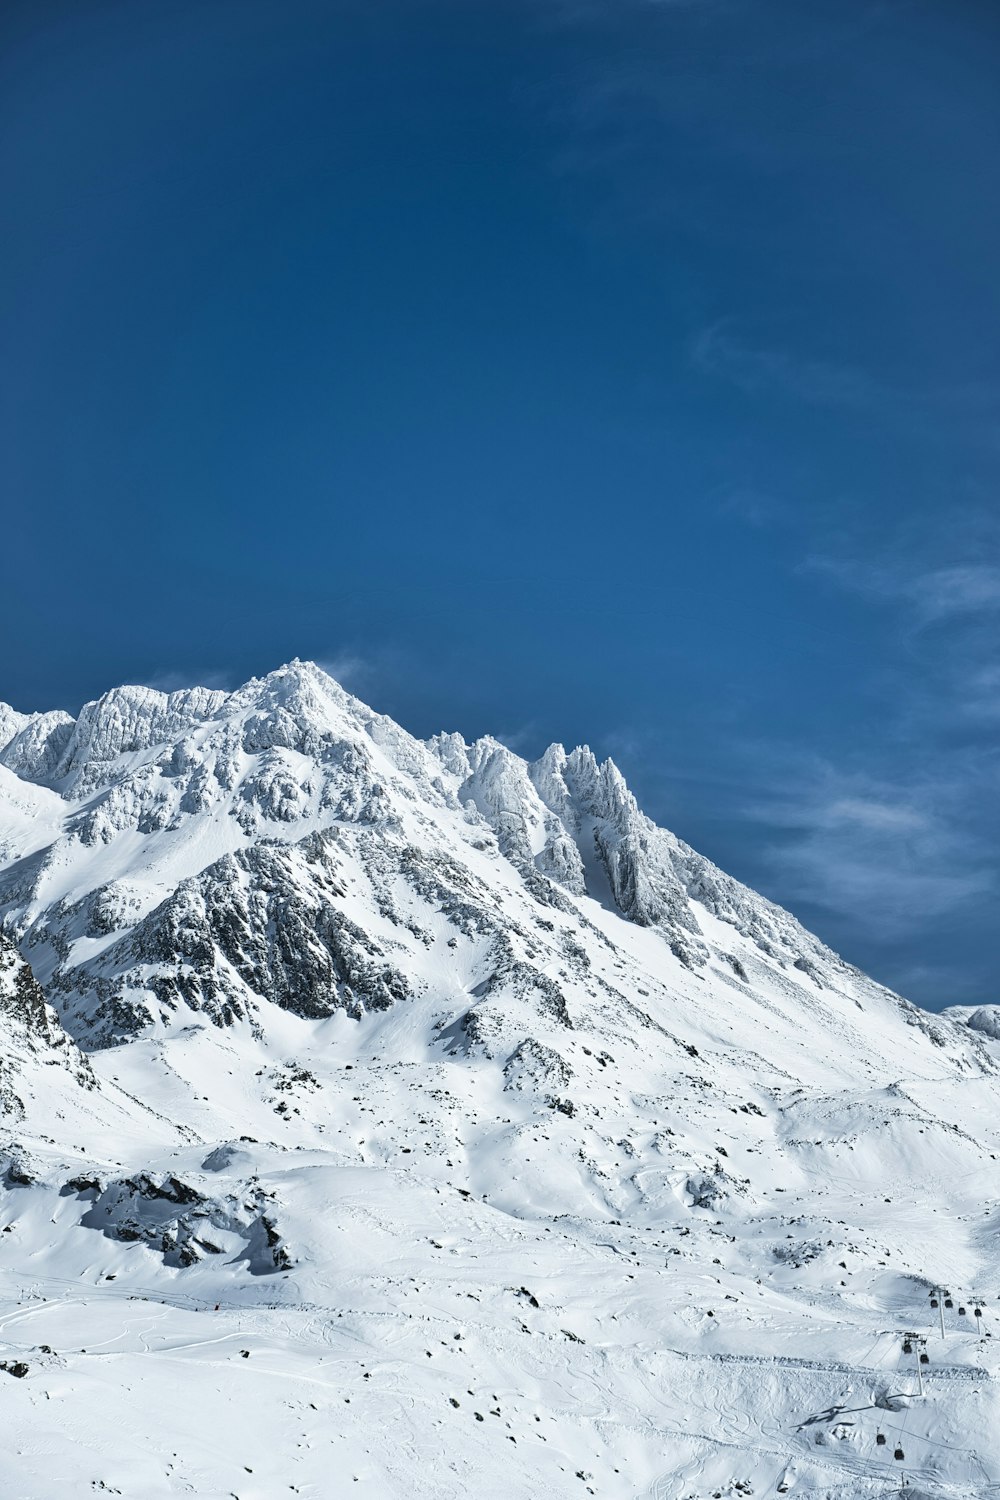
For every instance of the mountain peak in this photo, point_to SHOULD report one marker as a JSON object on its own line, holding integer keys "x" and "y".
{"x": 473, "y": 1037}
{"x": 192, "y": 787}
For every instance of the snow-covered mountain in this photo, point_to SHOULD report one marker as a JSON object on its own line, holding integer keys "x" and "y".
{"x": 519, "y": 1146}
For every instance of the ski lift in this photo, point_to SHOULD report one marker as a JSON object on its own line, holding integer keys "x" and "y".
{"x": 978, "y": 1312}
{"x": 925, "y": 1358}
{"x": 898, "y": 1455}
{"x": 907, "y": 1346}
{"x": 961, "y": 1312}
{"x": 880, "y": 1439}
{"x": 948, "y": 1302}
{"x": 934, "y": 1302}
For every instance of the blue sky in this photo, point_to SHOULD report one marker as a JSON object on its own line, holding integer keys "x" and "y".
{"x": 610, "y": 372}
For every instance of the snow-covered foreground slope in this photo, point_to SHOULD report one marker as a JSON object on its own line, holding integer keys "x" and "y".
{"x": 442, "y": 1127}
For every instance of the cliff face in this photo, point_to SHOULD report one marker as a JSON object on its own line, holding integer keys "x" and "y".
{"x": 31, "y": 1038}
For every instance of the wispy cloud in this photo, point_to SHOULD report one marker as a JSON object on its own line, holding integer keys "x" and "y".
{"x": 880, "y": 895}
{"x": 888, "y": 857}
{"x": 349, "y": 668}
{"x": 931, "y": 594}
{"x": 908, "y": 830}
{"x": 982, "y": 691}
{"x": 969, "y": 589}
{"x": 878, "y": 816}
{"x": 761, "y": 369}
{"x": 941, "y": 592}
{"x": 718, "y": 351}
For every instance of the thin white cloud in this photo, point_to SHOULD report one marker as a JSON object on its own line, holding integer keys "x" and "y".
{"x": 968, "y": 589}
{"x": 868, "y": 812}
{"x": 723, "y": 353}
{"x": 886, "y": 866}
{"x": 931, "y": 593}
{"x": 890, "y": 859}
{"x": 347, "y": 668}
{"x": 718, "y": 351}
{"x": 881, "y": 895}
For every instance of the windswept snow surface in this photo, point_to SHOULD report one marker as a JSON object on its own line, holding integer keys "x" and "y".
{"x": 405, "y": 1119}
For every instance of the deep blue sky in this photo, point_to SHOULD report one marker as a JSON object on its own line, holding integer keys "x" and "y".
{"x": 622, "y": 371}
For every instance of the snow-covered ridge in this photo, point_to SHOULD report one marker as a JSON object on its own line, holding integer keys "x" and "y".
{"x": 458, "y": 1130}
{"x": 158, "y": 788}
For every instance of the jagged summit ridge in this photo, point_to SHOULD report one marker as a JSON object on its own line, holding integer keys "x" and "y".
{"x": 284, "y": 846}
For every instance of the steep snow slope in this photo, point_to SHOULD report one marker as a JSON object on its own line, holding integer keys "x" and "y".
{"x": 519, "y": 1146}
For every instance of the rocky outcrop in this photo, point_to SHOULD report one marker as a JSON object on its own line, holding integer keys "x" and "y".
{"x": 30, "y": 1034}
{"x": 183, "y": 1224}
{"x": 36, "y": 749}
{"x": 262, "y": 925}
